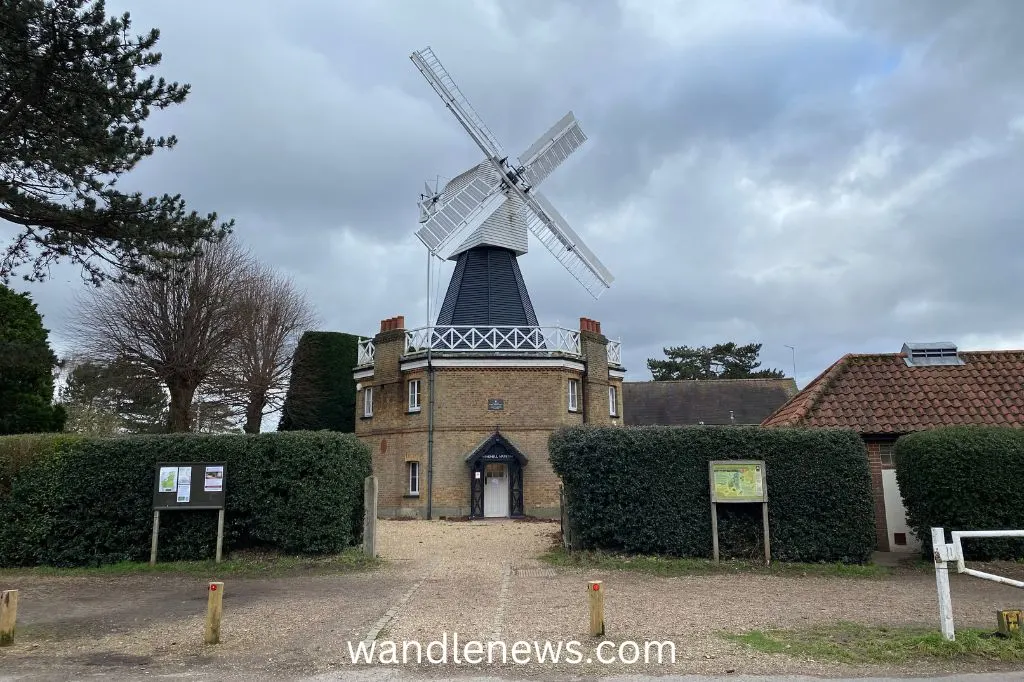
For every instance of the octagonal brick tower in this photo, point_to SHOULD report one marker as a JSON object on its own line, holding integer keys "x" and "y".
{"x": 501, "y": 384}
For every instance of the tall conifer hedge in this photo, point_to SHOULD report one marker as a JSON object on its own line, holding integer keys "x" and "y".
{"x": 322, "y": 392}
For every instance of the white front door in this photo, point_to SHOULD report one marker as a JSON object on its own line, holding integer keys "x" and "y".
{"x": 496, "y": 489}
{"x": 901, "y": 538}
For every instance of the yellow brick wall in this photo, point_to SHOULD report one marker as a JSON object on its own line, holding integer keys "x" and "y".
{"x": 536, "y": 402}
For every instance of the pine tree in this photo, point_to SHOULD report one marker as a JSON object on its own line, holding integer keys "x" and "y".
{"x": 72, "y": 102}
{"x": 118, "y": 397}
{"x": 721, "y": 361}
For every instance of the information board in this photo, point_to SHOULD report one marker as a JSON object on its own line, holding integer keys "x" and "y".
{"x": 738, "y": 481}
{"x": 189, "y": 485}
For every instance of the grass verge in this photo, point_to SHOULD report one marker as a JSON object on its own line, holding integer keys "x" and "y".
{"x": 673, "y": 566}
{"x": 862, "y": 644}
{"x": 247, "y": 565}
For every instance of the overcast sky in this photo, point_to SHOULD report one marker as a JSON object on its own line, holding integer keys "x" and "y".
{"x": 837, "y": 177}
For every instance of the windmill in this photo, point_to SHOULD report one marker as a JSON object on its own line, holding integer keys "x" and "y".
{"x": 482, "y": 217}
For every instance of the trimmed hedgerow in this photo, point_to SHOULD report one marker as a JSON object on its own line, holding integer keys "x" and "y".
{"x": 645, "y": 490}
{"x": 964, "y": 478}
{"x": 321, "y": 392}
{"x": 73, "y": 501}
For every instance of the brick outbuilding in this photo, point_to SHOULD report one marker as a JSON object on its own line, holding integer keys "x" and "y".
{"x": 884, "y": 396}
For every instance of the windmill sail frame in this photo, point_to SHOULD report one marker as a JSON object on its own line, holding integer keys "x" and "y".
{"x": 470, "y": 204}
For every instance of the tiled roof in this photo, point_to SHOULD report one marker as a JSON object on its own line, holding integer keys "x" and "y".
{"x": 881, "y": 394}
{"x": 687, "y": 402}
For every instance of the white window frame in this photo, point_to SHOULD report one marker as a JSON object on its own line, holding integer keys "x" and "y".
{"x": 368, "y": 401}
{"x": 414, "y": 395}
{"x": 574, "y": 395}
{"x": 887, "y": 455}
{"x": 413, "y": 476}
{"x": 613, "y": 401}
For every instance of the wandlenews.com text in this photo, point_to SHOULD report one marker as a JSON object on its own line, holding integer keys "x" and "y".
{"x": 454, "y": 650}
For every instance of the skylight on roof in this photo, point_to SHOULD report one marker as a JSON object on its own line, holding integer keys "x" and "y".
{"x": 931, "y": 354}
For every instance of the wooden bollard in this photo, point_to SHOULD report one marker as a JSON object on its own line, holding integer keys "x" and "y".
{"x": 595, "y": 595}
{"x": 1009, "y": 622}
{"x": 8, "y": 615}
{"x": 214, "y": 610}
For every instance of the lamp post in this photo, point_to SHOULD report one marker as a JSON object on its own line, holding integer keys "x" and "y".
{"x": 791, "y": 348}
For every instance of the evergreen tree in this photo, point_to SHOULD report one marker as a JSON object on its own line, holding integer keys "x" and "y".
{"x": 117, "y": 397}
{"x": 721, "y": 361}
{"x": 72, "y": 102}
{"x": 321, "y": 392}
{"x": 211, "y": 414}
{"x": 26, "y": 368}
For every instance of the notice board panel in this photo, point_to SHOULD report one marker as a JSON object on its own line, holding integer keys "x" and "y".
{"x": 738, "y": 481}
{"x": 189, "y": 485}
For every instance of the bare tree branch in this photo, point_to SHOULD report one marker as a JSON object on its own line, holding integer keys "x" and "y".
{"x": 271, "y": 314}
{"x": 181, "y": 325}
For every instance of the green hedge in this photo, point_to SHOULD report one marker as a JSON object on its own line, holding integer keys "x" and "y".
{"x": 964, "y": 478}
{"x": 321, "y": 391}
{"x": 70, "y": 501}
{"x": 645, "y": 490}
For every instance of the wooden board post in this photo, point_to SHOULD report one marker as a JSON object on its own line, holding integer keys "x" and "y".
{"x": 214, "y": 610}
{"x": 714, "y": 530}
{"x": 220, "y": 535}
{"x": 156, "y": 535}
{"x": 595, "y": 597}
{"x": 8, "y": 616}
{"x": 370, "y": 516}
{"x": 767, "y": 535}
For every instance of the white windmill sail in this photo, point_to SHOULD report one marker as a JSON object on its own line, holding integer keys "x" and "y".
{"x": 492, "y": 202}
{"x": 430, "y": 66}
{"x": 464, "y": 204}
{"x": 553, "y": 147}
{"x": 554, "y": 232}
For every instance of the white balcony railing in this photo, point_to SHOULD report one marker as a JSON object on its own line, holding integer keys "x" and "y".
{"x": 614, "y": 352}
{"x": 537, "y": 340}
{"x": 365, "y": 354}
{"x": 532, "y": 340}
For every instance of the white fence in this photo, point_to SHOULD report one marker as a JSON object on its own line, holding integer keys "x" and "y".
{"x": 945, "y": 552}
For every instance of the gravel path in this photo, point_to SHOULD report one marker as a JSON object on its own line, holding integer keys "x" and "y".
{"x": 482, "y": 580}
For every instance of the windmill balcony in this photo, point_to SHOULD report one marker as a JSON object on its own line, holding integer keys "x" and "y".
{"x": 515, "y": 341}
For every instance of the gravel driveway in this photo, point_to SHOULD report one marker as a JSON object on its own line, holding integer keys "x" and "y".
{"x": 481, "y": 580}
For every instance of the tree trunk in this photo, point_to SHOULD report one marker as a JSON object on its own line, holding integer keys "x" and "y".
{"x": 179, "y": 416}
{"x": 254, "y": 414}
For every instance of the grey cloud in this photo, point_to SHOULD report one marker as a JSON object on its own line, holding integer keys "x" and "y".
{"x": 783, "y": 177}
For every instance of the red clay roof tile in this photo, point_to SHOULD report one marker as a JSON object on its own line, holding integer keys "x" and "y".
{"x": 881, "y": 394}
